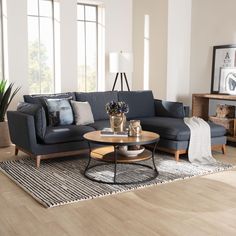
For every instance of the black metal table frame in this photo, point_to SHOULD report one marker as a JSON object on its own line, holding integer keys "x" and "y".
{"x": 88, "y": 167}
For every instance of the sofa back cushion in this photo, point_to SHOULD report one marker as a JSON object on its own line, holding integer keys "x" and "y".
{"x": 37, "y": 111}
{"x": 169, "y": 109}
{"x": 41, "y": 100}
{"x": 141, "y": 103}
{"x": 97, "y": 101}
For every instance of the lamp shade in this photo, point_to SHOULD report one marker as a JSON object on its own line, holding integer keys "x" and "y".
{"x": 120, "y": 62}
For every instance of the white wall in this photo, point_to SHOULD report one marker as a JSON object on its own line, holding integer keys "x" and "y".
{"x": 118, "y": 24}
{"x": 171, "y": 23}
{"x": 213, "y": 23}
{"x": 118, "y": 36}
{"x": 158, "y": 15}
{"x": 17, "y": 46}
{"x": 68, "y": 29}
{"x": 182, "y": 34}
{"x": 178, "y": 55}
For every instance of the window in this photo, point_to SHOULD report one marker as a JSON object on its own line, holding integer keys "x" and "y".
{"x": 87, "y": 30}
{"x": 41, "y": 53}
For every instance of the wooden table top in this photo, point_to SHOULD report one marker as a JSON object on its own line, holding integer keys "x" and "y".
{"x": 146, "y": 138}
{"x": 215, "y": 96}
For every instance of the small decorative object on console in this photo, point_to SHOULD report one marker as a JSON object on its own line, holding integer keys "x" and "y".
{"x": 225, "y": 116}
{"x": 116, "y": 111}
{"x": 135, "y": 129}
{"x": 228, "y": 123}
{"x": 223, "y": 78}
{"x": 225, "y": 111}
{"x": 228, "y": 80}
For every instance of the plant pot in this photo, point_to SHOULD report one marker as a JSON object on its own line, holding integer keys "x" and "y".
{"x": 4, "y": 137}
{"x": 118, "y": 122}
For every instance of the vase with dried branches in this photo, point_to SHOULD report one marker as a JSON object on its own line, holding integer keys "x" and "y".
{"x": 116, "y": 110}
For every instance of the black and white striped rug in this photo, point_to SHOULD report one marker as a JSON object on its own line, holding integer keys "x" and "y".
{"x": 61, "y": 181}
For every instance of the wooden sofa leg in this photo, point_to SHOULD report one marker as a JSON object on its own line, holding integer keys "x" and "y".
{"x": 16, "y": 151}
{"x": 177, "y": 155}
{"x": 223, "y": 148}
{"x": 38, "y": 159}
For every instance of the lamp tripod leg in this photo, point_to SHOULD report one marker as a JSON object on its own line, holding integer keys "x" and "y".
{"x": 126, "y": 82}
{"x": 115, "y": 82}
{"x": 121, "y": 77}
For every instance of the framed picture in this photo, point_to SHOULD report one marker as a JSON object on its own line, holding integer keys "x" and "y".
{"x": 224, "y": 56}
{"x": 228, "y": 80}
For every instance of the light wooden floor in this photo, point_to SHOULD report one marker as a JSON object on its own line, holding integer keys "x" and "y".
{"x": 198, "y": 206}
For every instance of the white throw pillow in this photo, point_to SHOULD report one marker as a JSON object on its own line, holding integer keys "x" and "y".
{"x": 83, "y": 113}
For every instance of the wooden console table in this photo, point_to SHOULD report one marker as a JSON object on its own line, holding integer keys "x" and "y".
{"x": 200, "y": 103}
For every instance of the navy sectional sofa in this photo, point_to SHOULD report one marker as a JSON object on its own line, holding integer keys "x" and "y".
{"x": 30, "y": 132}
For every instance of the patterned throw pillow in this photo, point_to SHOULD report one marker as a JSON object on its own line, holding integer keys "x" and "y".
{"x": 59, "y": 112}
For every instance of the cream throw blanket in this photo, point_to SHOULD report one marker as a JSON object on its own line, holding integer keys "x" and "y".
{"x": 199, "y": 151}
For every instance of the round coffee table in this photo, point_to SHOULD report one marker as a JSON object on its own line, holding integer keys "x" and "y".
{"x": 110, "y": 154}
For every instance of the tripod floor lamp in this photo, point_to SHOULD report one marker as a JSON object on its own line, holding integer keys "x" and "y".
{"x": 120, "y": 63}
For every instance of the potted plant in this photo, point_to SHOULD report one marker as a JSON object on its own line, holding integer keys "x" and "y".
{"x": 6, "y": 95}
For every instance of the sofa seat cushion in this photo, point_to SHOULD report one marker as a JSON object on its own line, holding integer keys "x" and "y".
{"x": 97, "y": 101}
{"x": 100, "y": 124}
{"x": 141, "y": 103}
{"x": 65, "y": 133}
{"x": 174, "y": 128}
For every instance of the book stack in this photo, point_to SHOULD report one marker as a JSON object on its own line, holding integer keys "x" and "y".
{"x": 109, "y": 133}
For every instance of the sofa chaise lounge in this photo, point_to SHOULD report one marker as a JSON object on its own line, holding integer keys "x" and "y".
{"x": 31, "y": 133}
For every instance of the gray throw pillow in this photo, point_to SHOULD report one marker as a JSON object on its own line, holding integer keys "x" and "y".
{"x": 83, "y": 113}
{"x": 59, "y": 112}
{"x": 37, "y": 111}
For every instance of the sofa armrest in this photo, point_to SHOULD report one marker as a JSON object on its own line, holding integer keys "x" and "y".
{"x": 38, "y": 112}
{"x": 22, "y": 130}
{"x": 169, "y": 109}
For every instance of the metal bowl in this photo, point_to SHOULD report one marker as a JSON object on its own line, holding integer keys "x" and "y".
{"x": 123, "y": 150}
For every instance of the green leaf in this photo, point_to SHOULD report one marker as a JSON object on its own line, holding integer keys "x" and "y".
{"x": 6, "y": 96}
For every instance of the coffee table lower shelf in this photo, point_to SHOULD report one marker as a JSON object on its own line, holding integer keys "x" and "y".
{"x": 110, "y": 155}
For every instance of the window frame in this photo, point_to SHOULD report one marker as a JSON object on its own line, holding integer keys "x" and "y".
{"x": 85, "y": 58}
{"x": 2, "y": 41}
{"x": 38, "y": 16}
